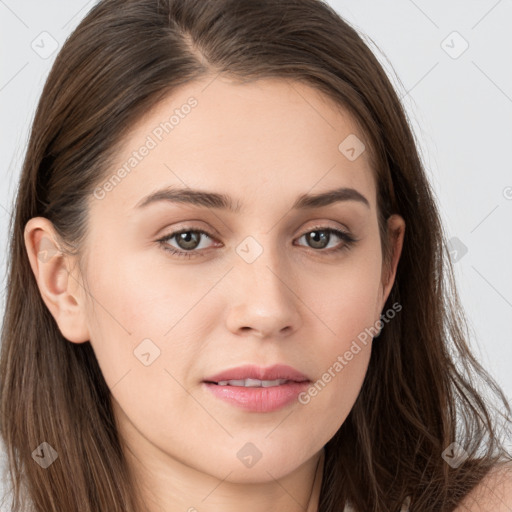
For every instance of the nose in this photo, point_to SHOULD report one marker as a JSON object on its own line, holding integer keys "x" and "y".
{"x": 262, "y": 301}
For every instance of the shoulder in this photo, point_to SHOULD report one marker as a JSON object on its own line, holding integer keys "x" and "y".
{"x": 492, "y": 494}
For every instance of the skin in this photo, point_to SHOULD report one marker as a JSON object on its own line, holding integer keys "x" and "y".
{"x": 493, "y": 494}
{"x": 295, "y": 304}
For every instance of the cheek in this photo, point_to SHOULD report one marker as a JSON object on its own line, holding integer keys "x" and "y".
{"x": 122, "y": 314}
{"x": 135, "y": 298}
{"x": 345, "y": 297}
{"x": 346, "y": 307}
{"x": 143, "y": 320}
{"x": 341, "y": 364}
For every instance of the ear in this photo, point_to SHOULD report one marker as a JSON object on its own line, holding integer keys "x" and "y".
{"x": 395, "y": 233}
{"x": 58, "y": 284}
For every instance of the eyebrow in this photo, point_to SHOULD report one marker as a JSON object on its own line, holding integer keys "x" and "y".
{"x": 225, "y": 202}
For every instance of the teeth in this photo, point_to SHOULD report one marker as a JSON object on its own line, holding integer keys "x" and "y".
{"x": 270, "y": 383}
{"x": 252, "y": 383}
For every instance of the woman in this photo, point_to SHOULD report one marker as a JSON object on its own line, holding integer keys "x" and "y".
{"x": 221, "y": 207}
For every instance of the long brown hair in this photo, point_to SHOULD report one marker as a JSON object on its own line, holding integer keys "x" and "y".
{"x": 420, "y": 392}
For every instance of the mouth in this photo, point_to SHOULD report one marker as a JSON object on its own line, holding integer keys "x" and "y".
{"x": 258, "y": 389}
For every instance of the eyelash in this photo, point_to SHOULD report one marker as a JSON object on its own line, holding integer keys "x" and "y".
{"x": 348, "y": 240}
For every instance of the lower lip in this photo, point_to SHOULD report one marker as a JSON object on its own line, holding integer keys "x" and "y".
{"x": 259, "y": 399}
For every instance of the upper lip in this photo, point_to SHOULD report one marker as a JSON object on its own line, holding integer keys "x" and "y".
{"x": 278, "y": 371}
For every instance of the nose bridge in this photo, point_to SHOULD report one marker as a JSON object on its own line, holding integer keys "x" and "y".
{"x": 259, "y": 266}
{"x": 263, "y": 299}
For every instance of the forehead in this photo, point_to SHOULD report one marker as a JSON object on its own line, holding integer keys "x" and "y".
{"x": 253, "y": 139}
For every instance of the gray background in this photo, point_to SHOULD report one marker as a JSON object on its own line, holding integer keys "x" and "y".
{"x": 459, "y": 103}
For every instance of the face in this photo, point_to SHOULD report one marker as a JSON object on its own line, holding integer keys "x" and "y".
{"x": 278, "y": 279}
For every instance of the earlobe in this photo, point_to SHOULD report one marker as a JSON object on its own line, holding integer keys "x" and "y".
{"x": 60, "y": 290}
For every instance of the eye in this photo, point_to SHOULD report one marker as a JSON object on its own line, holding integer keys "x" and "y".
{"x": 187, "y": 240}
{"x": 320, "y": 237}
